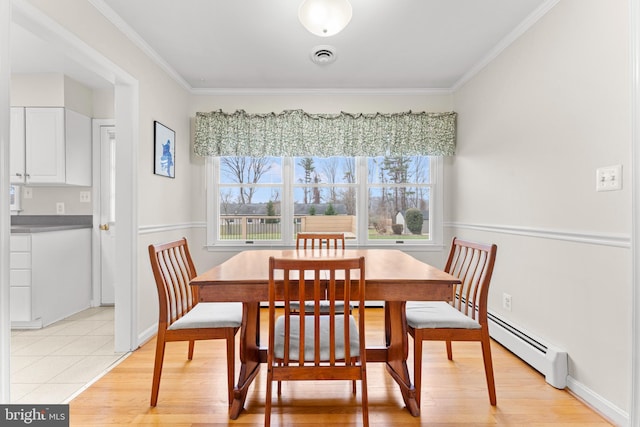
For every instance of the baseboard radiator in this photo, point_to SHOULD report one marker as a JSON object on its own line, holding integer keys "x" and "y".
{"x": 544, "y": 358}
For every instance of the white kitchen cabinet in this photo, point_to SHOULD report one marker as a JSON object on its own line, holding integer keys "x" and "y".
{"x": 50, "y": 276}
{"x": 20, "y": 278}
{"x": 44, "y": 145}
{"x": 56, "y": 146}
{"x": 16, "y": 146}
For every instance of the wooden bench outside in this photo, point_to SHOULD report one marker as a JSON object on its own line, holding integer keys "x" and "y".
{"x": 330, "y": 223}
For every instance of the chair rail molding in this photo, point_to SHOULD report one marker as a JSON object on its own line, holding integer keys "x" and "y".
{"x": 161, "y": 228}
{"x": 603, "y": 239}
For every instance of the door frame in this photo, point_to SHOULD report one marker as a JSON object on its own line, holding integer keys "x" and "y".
{"x": 96, "y": 194}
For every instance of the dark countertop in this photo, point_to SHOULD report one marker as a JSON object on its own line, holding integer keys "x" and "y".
{"x": 45, "y": 223}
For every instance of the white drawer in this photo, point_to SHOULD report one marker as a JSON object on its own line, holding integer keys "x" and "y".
{"x": 20, "y": 310}
{"x": 20, "y": 260}
{"x": 20, "y": 277}
{"x": 20, "y": 243}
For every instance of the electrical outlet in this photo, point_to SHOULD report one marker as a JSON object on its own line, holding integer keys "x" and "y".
{"x": 506, "y": 301}
{"x": 85, "y": 197}
{"x": 60, "y": 208}
{"x": 27, "y": 192}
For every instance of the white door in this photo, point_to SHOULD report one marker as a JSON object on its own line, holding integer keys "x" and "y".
{"x": 107, "y": 214}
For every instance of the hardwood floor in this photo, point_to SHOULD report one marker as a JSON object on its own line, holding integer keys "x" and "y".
{"x": 454, "y": 393}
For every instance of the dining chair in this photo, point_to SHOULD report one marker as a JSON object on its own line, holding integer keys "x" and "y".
{"x": 313, "y": 345}
{"x": 465, "y": 318}
{"x": 181, "y": 316}
{"x": 319, "y": 240}
{"x": 308, "y": 240}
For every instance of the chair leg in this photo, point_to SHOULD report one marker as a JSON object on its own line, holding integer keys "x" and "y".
{"x": 365, "y": 398}
{"x": 488, "y": 368}
{"x": 417, "y": 365}
{"x": 231, "y": 354}
{"x": 267, "y": 402}
{"x": 353, "y": 382}
{"x": 449, "y": 351}
{"x": 280, "y": 382}
{"x": 157, "y": 368}
{"x": 190, "y": 354}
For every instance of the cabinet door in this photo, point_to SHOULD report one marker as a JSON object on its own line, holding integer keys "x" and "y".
{"x": 16, "y": 146}
{"x": 78, "y": 148}
{"x": 20, "y": 306}
{"x": 45, "y": 154}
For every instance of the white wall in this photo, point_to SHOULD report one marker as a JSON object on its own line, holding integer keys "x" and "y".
{"x": 37, "y": 90}
{"x": 533, "y": 127}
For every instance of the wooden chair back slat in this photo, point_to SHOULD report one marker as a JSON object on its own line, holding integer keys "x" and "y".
{"x": 320, "y": 240}
{"x": 173, "y": 269}
{"x": 472, "y": 263}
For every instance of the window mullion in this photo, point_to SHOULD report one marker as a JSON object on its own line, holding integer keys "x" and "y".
{"x": 212, "y": 187}
{"x": 287, "y": 210}
{"x": 362, "y": 202}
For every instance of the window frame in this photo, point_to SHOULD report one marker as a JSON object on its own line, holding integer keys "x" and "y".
{"x": 436, "y": 209}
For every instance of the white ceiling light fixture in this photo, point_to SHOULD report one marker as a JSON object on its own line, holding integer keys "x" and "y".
{"x": 325, "y": 18}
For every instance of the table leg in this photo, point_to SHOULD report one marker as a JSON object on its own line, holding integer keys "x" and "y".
{"x": 397, "y": 352}
{"x": 249, "y": 356}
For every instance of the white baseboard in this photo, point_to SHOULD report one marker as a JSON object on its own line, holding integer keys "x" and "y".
{"x": 605, "y": 408}
{"x": 147, "y": 334}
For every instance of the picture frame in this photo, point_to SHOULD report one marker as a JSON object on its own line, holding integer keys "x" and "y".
{"x": 164, "y": 151}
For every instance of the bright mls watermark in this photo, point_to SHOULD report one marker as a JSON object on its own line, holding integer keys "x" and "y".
{"x": 34, "y": 415}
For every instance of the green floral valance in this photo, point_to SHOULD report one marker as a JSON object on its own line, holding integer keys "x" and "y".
{"x": 296, "y": 133}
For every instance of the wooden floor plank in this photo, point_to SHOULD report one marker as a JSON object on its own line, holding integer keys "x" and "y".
{"x": 193, "y": 393}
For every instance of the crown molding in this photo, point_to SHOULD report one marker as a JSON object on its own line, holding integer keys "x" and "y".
{"x": 505, "y": 43}
{"x": 321, "y": 91}
{"x": 137, "y": 40}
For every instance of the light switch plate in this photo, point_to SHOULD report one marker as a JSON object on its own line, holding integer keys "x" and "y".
{"x": 609, "y": 178}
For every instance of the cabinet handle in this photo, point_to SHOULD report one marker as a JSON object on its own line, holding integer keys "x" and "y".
{"x": 18, "y": 174}
{"x": 104, "y": 227}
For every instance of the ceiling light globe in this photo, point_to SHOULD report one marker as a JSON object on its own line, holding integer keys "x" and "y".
{"x": 325, "y": 18}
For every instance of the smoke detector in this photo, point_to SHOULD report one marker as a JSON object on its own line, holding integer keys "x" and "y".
{"x": 323, "y": 55}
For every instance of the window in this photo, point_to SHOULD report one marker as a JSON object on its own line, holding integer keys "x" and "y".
{"x": 375, "y": 200}
{"x": 325, "y": 187}
{"x": 399, "y": 194}
{"x": 250, "y": 190}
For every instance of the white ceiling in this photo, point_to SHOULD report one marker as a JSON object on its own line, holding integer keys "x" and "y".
{"x": 260, "y": 44}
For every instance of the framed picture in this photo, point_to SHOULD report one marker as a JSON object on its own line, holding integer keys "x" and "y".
{"x": 164, "y": 150}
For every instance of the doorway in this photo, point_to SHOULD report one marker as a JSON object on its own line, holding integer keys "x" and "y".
{"x": 126, "y": 101}
{"x": 104, "y": 262}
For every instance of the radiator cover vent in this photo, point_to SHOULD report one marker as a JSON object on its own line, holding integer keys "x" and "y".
{"x": 544, "y": 358}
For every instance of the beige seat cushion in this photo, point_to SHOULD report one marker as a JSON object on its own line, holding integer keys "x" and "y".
{"x": 437, "y": 314}
{"x": 309, "y": 307}
{"x": 211, "y": 315}
{"x": 309, "y": 338}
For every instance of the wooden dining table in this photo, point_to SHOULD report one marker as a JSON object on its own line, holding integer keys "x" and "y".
{"x": 391, "y": 276}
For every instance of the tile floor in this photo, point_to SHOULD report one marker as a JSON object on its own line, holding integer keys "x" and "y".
{"x": 53, "y": 364}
